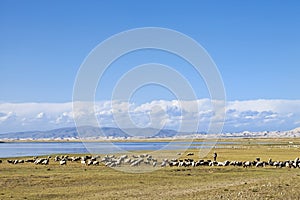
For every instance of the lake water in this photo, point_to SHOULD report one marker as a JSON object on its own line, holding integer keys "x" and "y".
{"x": 19, "y": 149}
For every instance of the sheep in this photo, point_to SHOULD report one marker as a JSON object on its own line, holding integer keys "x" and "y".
{"x": 270, "y": 162}
{"x": 93, "y": 159}
{"x": 296, "y": 161}
{"x": 45, "y": 162}
{"x": 18, "y": 161}
{"x": 74, "y": 159}
{"x": 123, "y": 157}
{"x": 89, "y": 162}
{"x": 57, "y": 158}
{"x": 247, "y": 164}
{"x": 118, "y": 162}
{"x": 147, "y": 162}
{"x": 63, "y": 162}
{"x": 226, "y": 163}
{"x": 112, "y": 165}
{"x": 260, "y": 164}
{"x": 38, "y": 161}
{"x": 173, "y": 163}
{"x": 30, "y": 160}
{"x": 83, "y": 162}
{"x": 10, "y": 161}
{"x": 288, "y": 164}
{"x": 0, "y": 161}
{"x": 95, "y": 162}
{"x": 134, "y": 164}
{"x": 181, "y": 163}
{"x": 137, "y": 162}
{"x": 163, "y": 164}
{"x": 154, "y": 164}
{"x": 128, "y": 160}
{"x": 190, "y": 154}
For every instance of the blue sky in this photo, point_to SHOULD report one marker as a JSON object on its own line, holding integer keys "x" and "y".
{"x": 255, "y": 44}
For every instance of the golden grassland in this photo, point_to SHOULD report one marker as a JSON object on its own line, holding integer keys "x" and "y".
{"x": 74, "y": 181}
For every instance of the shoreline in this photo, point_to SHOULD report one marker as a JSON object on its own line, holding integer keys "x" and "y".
{"x": 67, "y": 140}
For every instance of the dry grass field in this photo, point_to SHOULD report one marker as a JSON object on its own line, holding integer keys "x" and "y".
{"x": 74, "y": 181}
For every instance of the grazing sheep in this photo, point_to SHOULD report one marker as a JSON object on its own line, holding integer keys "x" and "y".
{"x": 190, "y": 154}
{"x": 118, "y": 162}
{"x": 123, "y": 157}
{"x": 270, "y": 162}
{"x": 38, "y": 161}
{"x": 174, "y": 163}
{"x": 10, "y": 161}
{"x": 0, "y": 161}
{"x": 247, "y": 164}
{"x": 45, "y": 162}
{"x": 163, "y": 164}
{"x": 57, "y": 158}
{"x": 30, "y": 160}
{"x": 288, "y": 164}
{"x": 112, "y": 165}
{"x": 96, "y": 162}
{"x": 83, "y": 162}
{"x": 225, "y": 163}
{"x": 63, "y": 162}
{"x": 260, "y": 164}
{"x": 75, "y": 159}
{"x": 17, "y": 161}
{"x": 90, "y": 162}
{"x": 134, "y": 164}
{"x": 147, "y": 162}
{"x": 154, "y": 164}
{"x": 128, "y": 160}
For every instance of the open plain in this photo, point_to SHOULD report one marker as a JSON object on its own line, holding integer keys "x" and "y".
{"x": 77, "y": 181}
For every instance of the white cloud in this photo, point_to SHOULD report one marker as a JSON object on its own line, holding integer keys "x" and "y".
{"x": 253, "y": 115}
{"x": 41, "y": 115}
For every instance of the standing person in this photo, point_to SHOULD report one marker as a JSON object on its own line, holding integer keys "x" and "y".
{"x": 215, "y": 156}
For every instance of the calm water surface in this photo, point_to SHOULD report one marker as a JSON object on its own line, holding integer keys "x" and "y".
{"x": 18, "y": 149}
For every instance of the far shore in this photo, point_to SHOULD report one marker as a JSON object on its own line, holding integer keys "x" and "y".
{"x": 290, "y": 140}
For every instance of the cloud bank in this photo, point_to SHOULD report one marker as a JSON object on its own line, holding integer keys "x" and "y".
{"x": 252, "y": 115}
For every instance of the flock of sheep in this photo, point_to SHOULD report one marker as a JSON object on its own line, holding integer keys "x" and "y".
{"x": 146, "y": 159}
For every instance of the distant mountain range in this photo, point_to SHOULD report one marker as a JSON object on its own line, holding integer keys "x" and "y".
{"x": 88, "y": 132}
